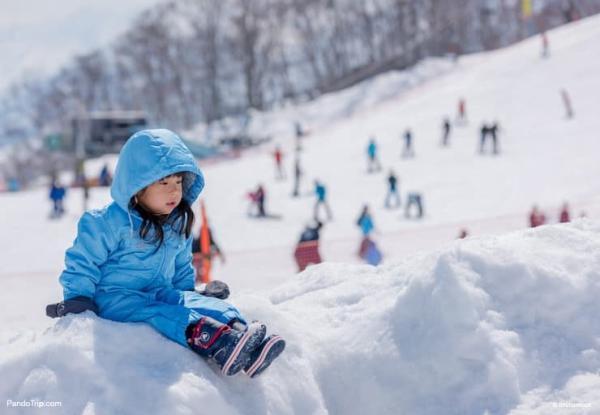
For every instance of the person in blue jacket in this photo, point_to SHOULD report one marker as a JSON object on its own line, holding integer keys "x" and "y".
{"x": 373, "y": 161}
{"x": 132, "y": 260}
{"x": 57, "y": 195}
{"x": 321, "y": 194}
{"x": 365, "y": 221}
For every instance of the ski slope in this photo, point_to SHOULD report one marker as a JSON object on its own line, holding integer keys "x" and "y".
{"x": 498, "y": 323}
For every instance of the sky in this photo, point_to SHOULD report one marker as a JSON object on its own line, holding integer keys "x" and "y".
{"x": 38, "y": 36}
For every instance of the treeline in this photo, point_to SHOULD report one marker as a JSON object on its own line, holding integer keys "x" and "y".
{"x": 188, "y": 61}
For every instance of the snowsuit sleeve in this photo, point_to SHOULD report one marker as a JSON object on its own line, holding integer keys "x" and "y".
{"x": 184, "y": 271}
{"x": 83, "y": 260}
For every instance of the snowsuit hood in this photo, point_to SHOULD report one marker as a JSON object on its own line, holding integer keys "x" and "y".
{"x": 150, "y": 155}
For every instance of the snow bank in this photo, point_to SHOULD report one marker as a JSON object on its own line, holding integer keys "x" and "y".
{"x": 493, "y": 325}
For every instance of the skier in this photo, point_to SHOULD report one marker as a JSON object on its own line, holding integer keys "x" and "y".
{"x": 392, "y": 190}
{"x": 297, "y": 176}
{"x": 257, "y": 200}
{"x": 132, "y": 260}
{"x": 365, "y": 221}
{"x": 260, "y": 200}
{"x": 545, "y": 45}
{"x": 462, "y": 111}
{"x": 408, "y": 148}
{"x": 299, "y": 134}
{"x": 536, "y": 217}
{"x": 373, "y": 161}
{"x": 307, "y": 249}
{"x": 414, "y": 199}
{"x": 299, "y": 130}
{"x": 483, "y": 133}
{"x": 321, "y": 194}
{"x": 565, "y": 216}
{"x": 278, "y": 156}
{"x": 446, "y": 132}
{"x": 493, "y": 130}
{"x": 567, "y": 103}
{"x": 57, "y": 195}
{"x": 105, "y": 178}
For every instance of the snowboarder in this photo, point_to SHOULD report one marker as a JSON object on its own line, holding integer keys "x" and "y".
{"x": 414, "y": 199}
{"x": 392, "y": 181}
{"x": 365, "y": 221}
{"x": 321, "y": 194}
{"x": 373, "y": 162}
{"x": 536, "y": 217}
{"x": 132, "y": 260}
{"x": 57, "y": 195}
{"x": 446, "y": 132}
{"x": 408, "y": 147}
{"x": 307, "y": 249}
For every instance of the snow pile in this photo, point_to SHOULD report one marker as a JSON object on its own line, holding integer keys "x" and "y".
{"x": 494, "y": 324}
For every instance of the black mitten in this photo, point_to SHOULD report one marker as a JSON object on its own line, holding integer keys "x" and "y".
{"x": 74, "y": 305}
{"x": 217, "y": 289}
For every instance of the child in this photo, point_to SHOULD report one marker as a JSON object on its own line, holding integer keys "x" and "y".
{"x": 132, "y": 260}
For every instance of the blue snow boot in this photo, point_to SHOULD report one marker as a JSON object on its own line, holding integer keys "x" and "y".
{"x": 229, "y": 348}
{"x": 263, "y": 355}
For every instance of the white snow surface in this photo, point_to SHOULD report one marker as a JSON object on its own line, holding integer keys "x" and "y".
{"x": 503, "y": 322}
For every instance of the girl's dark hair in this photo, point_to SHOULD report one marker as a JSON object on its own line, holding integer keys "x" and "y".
{"x": 181, "y": 220}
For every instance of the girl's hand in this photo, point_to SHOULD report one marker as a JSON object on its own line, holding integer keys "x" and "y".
{"x": 215, "y": 288}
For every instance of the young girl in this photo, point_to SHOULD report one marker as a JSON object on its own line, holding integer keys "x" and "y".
{"x": 133, "y": 259}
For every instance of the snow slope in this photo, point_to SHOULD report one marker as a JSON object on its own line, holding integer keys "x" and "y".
{"x": 494, "y": 324}
{"x": 499, "y": 323}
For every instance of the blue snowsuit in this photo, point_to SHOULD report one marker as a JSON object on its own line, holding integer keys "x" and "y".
{"x": 128, "y": 278}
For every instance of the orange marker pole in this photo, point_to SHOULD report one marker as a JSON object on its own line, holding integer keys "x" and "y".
{"x": 204, "y": 246}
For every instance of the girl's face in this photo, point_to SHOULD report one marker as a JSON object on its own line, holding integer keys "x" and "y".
{"x": 162, "y": 196}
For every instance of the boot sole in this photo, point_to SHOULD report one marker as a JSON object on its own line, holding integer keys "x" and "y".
{"x": 240, "y": 356}
{"x": 270, "y": 351}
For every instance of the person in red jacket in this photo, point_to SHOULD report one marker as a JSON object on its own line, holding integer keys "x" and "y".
{"x": 536, "y": 217}
{"x": 278, "y": 156}
{"x": 564, "y": 214}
